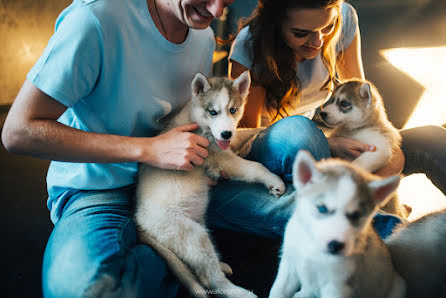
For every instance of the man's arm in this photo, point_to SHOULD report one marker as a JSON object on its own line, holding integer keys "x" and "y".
{"x": 31, "y": 128}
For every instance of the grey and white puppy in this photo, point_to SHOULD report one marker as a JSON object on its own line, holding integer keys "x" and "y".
{"x": 418, "y": 250}
{"x": 330, "y": 249}
{"x": 171, "y": 205}
{"x": 356, "y": 111}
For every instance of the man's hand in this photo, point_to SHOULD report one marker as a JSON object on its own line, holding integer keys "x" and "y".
{"x": 177, "y": 149}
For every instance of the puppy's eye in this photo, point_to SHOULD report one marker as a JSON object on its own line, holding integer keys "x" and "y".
{"x": 322, "y": 209}
{"x": 354, "y": 216}
{"x": 232, "y": 110}
{"x": 212, "y": 112}
{"x": 345, "y": 104}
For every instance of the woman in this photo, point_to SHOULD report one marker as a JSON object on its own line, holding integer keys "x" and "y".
{"x": 296, "y": 50}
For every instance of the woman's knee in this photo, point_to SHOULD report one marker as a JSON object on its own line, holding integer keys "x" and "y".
{"x": 277, "y": 146}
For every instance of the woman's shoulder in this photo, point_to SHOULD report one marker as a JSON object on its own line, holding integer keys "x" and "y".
{"x": 241, "y": 49}
{"x": 349, "y": 26}
{"x": 348, "y": 12}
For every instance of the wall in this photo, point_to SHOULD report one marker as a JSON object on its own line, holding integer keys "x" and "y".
{"x": 25, "y": 27}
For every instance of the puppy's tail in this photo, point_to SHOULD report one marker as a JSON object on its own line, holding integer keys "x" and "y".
{"x": 183, "y": 273}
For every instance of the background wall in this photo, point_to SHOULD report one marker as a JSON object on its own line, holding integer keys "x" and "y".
{"x": 25, "y": 27}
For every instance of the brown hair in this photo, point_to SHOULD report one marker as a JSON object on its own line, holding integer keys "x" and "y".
{"x": 274, "y": 61}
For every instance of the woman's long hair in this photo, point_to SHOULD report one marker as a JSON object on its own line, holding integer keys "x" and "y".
{"x": 273, "y": 62}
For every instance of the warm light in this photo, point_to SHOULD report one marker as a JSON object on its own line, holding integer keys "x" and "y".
{"x": 427, "y": 66}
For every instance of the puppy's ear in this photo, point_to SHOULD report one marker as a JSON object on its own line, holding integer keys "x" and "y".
{"x": 200, "y": 84}
{"x": 383, "y": 188}
{"x": 242, "y": 83}
{"x": 366, "y": 93}
{"x": 304, "y": 169}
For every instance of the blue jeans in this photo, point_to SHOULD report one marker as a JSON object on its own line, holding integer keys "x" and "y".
{"x": 93, "y": 249}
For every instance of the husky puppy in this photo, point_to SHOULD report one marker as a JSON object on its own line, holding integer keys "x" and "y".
{"x": 171, "y": 205}
{"x": 418, "y": 251}
{"x": 330, "y": 248}
{"x": 356, "y": 111}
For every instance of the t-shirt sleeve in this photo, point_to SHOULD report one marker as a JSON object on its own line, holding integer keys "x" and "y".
{"x": 71, "y": 63}
{"x": 241, "y": 49}
{"x": 349, "y": 27}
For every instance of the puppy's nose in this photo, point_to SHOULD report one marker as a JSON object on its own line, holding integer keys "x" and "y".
{"x": 323, "y": 115}
{"x": 226, "y": 134}
{"x": 335, "y": 247}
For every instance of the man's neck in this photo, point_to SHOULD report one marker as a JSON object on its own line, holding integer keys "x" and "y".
{"x": 166, "y": 21}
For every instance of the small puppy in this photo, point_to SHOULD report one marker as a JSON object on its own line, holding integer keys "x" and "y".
{"x": 171, "y": 205}
{"x": 356, "y": 111}
{"x": 418, "y": 251}
{"x": 330, "y": 249}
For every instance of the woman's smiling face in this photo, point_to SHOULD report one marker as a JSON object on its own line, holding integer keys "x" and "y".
{"x": 305, "y": 29}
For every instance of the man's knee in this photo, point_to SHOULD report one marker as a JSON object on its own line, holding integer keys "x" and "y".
{"x": 77, "y": 272}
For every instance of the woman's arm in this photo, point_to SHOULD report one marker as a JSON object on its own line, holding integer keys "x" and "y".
{"x": 349, "y": 62}
{"x": 256, "y": 98}
{"x": 31, "y": 128}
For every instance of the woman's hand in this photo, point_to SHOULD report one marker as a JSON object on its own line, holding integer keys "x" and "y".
{"x": 347, "y": 148}
{"x": 350, "y": 149}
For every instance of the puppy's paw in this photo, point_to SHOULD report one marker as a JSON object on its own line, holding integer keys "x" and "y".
{"x": 276, "y": 186}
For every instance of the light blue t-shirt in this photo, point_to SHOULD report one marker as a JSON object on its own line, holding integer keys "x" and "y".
{"x": 311, "y": 73}
{"x": 116, "y": 73}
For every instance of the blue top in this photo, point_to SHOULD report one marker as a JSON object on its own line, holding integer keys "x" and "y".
{"x": 117, "y": 74}
{"x": 311, "y": 73}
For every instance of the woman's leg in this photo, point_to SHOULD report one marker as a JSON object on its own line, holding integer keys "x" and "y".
{"x": 277, "y": 146}
{"x": 424, "y": 149}
{"x": 93, "y": 252}
{"x": 249, "y": 207}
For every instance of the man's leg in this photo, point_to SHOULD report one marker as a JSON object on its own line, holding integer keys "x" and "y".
{"x": 93, "y": 251}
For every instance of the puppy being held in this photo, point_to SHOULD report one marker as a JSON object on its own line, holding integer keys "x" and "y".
{"x": 171, "y": 205}
{"x": 356, "y": 111}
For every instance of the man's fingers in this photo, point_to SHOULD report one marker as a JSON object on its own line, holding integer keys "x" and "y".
{"x": 201, "y": 141}
{"x": 196, "y": 160}
{"x": 201, "y": 152}
{"x": 187, "y": 127}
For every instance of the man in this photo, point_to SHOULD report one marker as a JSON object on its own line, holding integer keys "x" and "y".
{"x": 91, "y": 105}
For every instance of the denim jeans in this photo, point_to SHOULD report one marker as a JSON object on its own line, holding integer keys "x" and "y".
{"x": 93, "y": 249}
